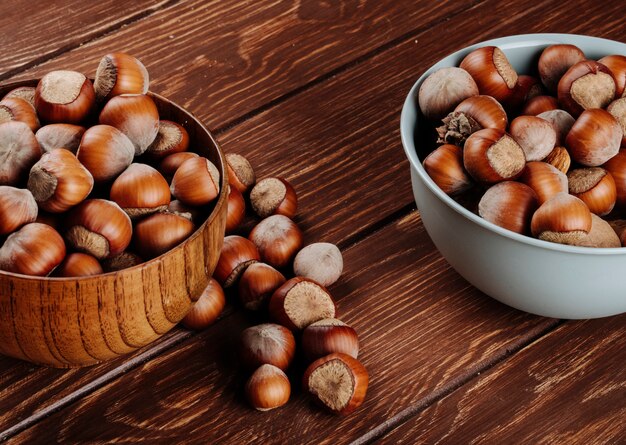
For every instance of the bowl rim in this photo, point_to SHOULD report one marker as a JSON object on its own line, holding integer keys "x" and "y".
{"x": 219, "y": 203}
{"x": 407, "y": 124}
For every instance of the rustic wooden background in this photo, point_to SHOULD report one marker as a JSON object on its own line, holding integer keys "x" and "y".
{"x": 312, "y": 90}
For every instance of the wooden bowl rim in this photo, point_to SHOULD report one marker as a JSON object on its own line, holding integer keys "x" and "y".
{"x": 223, "y": 196}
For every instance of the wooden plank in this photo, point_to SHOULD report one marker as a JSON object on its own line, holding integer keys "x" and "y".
{"x": 569, "y": 387}
{"x": 36, "y": 31}
{"x": 430, "y": 327}
{"x": 28, "y": 390}
{"x": 224, "y": 58}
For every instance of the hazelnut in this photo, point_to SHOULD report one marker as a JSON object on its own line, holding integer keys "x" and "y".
{"x": 58, "y": 181}
{"x": 328, "y": 336}
{"x": 278, "y": 239}
{"x": 240, "y": 172}
{"x": 267, "y": 343}
{"x": 274, "y": 196}
{"x": 17, "y": 163}
{"x": 300, "y": 302}
{"x": 99, "y": 228}
{"x": 65, "y": 97}
{"x": 268, "y": 388}
{"x": 320, "y": 262}
{"x": 337, "y": 381}
{"x": 208, "y": 307}
{"x": 35, "y": 249}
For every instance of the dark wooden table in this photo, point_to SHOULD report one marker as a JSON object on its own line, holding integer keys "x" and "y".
{"x": 312, "y": 90}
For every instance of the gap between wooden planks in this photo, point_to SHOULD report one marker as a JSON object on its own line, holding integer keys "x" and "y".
{"x": 223, "y": 59}
{"x": 65, "y": 386}
{"x": 35, "y": 32}
{"x": 562, "y": 389}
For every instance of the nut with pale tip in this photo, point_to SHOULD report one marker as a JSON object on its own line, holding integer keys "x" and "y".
{"x": 16, "y": 109}
{"x": 236, "y": 255}
{"x": 65, "y": 136}
{"x": 17, "y": 208}
{"x": 328, "y": 336}
{"x": 196, "y": 182}
{"x": 98, "y": 227}
{"x": 300, "y": 302}
{"x": 492, "y": 72}
{"x": 58, "y": 181}
{"x": 267, "y": 343}
{"x": 338, "y": 382}
{"x": 120, "y": 73}
{"x": 105, "y": 151}
{"x": 16, "y": 164}
{"x": 240, "y": 172}
{"x": 278, "y": 239}
{"x": 491, "y": 156}
{"x": 257, "y": 284}
{"x": 64, "y": 97}
{"x": 136, "y": 116}
{"x": 320, "y": 262}
{"x": 171, "y": 138}
{"x": 562, "y": 219}
{"x": 274, "y": 196}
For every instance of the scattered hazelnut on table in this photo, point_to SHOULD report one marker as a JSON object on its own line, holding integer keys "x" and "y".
{"x": 268, "y": 388}
{"x": 338, "y": 382}
{"x": 320, "y": 262}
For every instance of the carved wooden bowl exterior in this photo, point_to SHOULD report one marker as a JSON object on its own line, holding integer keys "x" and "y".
{"x": 71, "y": 322}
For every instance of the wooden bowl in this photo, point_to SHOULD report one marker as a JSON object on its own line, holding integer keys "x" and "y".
{"x": 71, "y": 322}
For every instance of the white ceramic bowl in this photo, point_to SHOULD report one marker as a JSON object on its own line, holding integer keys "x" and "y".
{"x": 532, "y": 275}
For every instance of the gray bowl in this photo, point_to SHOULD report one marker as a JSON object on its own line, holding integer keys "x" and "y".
{"x": 529, "y": 274}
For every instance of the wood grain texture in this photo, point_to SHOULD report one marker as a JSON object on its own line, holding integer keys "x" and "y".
{"x": 29, "y": 391}
{"x": 430, "y": 328}
{"x": 569, "y": 387}
{"x": 36, "y": 31}
{"x": 66, "y": 322}
{"x": 224, "y": 58}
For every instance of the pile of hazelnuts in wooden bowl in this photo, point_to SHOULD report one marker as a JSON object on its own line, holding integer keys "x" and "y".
{"x": 112, "y": 213}
{"x": 264, "y": 265}
{"x": 536, "y": 153}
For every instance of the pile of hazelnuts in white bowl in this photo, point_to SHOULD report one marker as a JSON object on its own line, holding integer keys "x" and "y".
{"x": 538, "y": 153}
{"x": 104, "y": 184}
{"x": 264, "y": 264}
